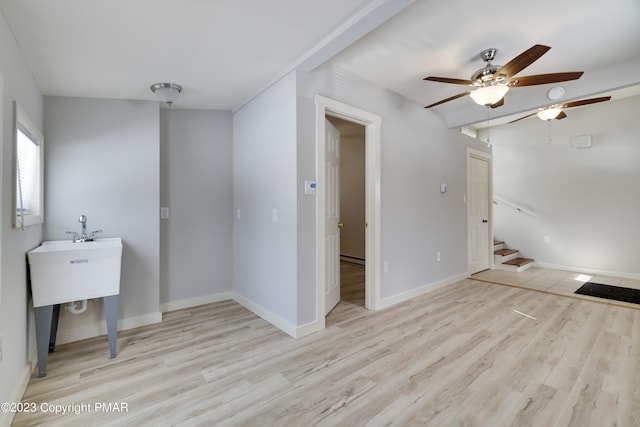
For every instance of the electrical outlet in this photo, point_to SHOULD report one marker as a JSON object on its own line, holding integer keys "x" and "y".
{"x": 0, "y": 348}
{"x": 438, "y": 256}
{"x": 385, "y": 267}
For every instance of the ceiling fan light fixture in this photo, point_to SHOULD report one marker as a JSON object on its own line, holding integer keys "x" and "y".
{"x": 489, "y": 95}
{"x": 549, "y": 113}
{"x": 166, "y": 92}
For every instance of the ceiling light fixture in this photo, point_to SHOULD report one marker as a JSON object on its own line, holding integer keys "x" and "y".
{"x": 555, "y": 93}
{"x": 166, "y": 92}
{"x": 489, "y": 95}
{"x": 549, "y": 113}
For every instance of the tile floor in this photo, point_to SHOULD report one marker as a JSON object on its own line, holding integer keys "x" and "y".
{"x": 557, "y": 282}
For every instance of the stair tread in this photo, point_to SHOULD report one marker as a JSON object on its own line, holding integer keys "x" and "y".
{"x": 504, "y": 252}
{"x": 497, "y": 242}
{"x": 519, "y": 261}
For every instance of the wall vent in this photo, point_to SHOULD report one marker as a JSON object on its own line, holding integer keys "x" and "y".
{"x": 581, "y": 141}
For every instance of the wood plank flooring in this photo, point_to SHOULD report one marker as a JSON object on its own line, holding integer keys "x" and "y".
{"x": 458, "y": 356}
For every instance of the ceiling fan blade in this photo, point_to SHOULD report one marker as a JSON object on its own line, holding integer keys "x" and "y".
{"x": 498, "y": 104}
{"x": 541, "y": 79}
{"x": 460, "y": 95}
{"x": 449, "y": 80}
{"x": 561, "y": 116}
{"x": 523, "y": 60}
{"x": 522, "y": 118}
{"x": 586, "y": 102}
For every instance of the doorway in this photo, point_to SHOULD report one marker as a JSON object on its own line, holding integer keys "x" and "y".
{"x": 371, "y": 122}
{"x": 352, "y": 212}
{"x": 479, "y": 211}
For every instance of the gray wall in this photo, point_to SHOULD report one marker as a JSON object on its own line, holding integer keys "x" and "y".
{"x": 264, "y": 179}
{"x": 196, "y": 185}
{"x": 586, "y": 199}
{"x": 102, "y": 159}
{"x": 16, "y": 84}
{"x": 417, "y": 153}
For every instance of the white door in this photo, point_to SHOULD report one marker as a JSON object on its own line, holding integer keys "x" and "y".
{"x": 479, "y": 245}
{"x": 332, "y": 217}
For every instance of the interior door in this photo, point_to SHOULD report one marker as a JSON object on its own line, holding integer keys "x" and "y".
{"x": 478, "y": 208}
{"x": 332, "y": 217}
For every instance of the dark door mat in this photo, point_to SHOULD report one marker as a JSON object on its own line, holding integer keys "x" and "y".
{"x": 610, "y": 292}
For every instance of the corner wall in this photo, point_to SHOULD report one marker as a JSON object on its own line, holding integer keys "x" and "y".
{"x": 196, "y": 185}
{"x": 16, "y": 84}
{"x": 586, "y": 199}
{"x": 102, "y": 159}
{"x": 417, "y": 153}
{"x": 265, "y": 208}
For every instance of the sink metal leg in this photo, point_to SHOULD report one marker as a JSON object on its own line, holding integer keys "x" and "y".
{"x": 54, "y": 327}
{"x": 111, "y": 316}
{"x": 44, "y": 315}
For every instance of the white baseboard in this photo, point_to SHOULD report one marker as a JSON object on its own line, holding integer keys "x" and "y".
{"x": 267, "y": 315}
{"x": 194, "y": 302}
{"x": 353, "y": 260}
{"x": 309, "y": 328}
{"x": 98, "y": 329}
{"x": 6, "y": 418}
{"x": 412, "y": 293}
{"x": 587, "y": 270}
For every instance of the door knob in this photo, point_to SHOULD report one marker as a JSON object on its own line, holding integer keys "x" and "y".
{"x": 484, "y": 221}
{"x": 340, "y": 225}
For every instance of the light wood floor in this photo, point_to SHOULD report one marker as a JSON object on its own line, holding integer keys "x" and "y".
{"x": 458, "y": 356}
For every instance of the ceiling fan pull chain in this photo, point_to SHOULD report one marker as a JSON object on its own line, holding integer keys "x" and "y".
{"x": 488, "y": 127}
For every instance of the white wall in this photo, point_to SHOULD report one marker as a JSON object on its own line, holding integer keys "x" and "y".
{"x": 16, "y": 84}
{"x": 586, "y": 199}
{"x": 196, "y": 185}
{"x": 417, "y": 153}
{"x": 264, "y": 179}
{"x": 102, "y": 159}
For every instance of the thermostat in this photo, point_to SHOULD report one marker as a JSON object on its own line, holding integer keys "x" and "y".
{"x": 310, "y": 188}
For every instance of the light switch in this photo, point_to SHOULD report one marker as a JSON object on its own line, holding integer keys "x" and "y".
{"x": 274, "y": 215}
{"x": 164, "y": 213}
{"x": 443, "y": 187}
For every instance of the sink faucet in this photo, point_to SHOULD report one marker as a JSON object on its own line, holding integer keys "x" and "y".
{"x": 84, "y": 237}
{"x": 82, "y": 219}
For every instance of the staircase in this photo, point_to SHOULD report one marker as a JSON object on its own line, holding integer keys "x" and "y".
{"x": 509, "y": 259}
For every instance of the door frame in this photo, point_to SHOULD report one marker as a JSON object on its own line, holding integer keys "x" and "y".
{"x": 371, "y": 122}
{"x": 481, "y": 155}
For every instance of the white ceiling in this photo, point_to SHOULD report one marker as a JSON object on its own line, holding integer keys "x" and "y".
{"x": 224, "y": 52}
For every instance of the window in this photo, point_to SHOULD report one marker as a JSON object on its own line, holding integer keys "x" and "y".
{"x": 28, "y": 189}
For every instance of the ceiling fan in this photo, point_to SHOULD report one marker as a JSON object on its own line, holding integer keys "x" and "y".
{"x": 555, "y": 111}
{"x": 492, "y": 82}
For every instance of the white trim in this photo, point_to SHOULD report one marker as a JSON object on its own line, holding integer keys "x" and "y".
{"x": 267, "y": 315}
{"x": 194, "y": 302}
{"x": 277, "y": 321}
{"x": 570, "y": 268}
{"x": 415, "y": 292}
{"x": 6, "y": 418}
{"x": 372, "y": 123}
{"x": 99, "y": 329}
{"x": 472, "y": 152}
{"x": 308, "y": 329}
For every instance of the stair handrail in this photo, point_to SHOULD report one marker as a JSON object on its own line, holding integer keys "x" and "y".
{"x": 497, "y": 200}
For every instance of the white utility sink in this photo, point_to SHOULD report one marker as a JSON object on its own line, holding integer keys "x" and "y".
{"x": 64, "y": 271}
